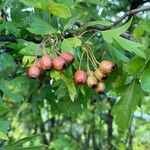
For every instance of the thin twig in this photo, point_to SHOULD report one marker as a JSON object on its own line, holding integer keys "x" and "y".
{"x": 128, "y": 13}
{"x": 131, "y": 12}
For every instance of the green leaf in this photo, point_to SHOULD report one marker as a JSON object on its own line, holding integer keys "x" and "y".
{"x": 20, "y": 142}
{"x": 96, "y": 2}
{"x": 27, "y": 60}
{"x": 18, "y": 88}
{"x": 70, "y": 43}
{"x": 30, "y": 48}
{"x": 39, "y": 4}
{"x": 7, "y": 65}
{"x": 138, "y": 32}
{"x": 27, "y": 148}
{"x": 39, "y": 26}
{"x": 4, "y": 126}
{"x": 109, "y": 35}
{"x": 11, "y": 27}
{"x": 131, "y": 46}
{"x": 60, "y": 11}
{"x": 93, "y": 23}
{"x": 130, "y": 96}
{"x": 145, "y": 80}
{"x": 55, "y": 74}
{"x": 71, "y": 22}
{"x": 71, "y": 87}
{"x": 61, "y": 91}
{"x": 33, "y": 3}
{"x": 65, "y": 142}
{"x": 135, "y": 64}
{"x": 145, "y": 25}
{"x": 68, "y": 82}
{"x": 3, "y": 108}
{"x": 118, "y": 55}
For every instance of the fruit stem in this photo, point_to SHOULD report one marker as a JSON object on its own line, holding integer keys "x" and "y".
{"x": 93, "y": 63}
{"x": 81, "y": 60}
{"x": 44, "y": 50}
{"x": 54, "y": 43}
{"x": 82, "y": 33}
{"x": 36, "y": 53}
{"x": 91, "y": 60}
{"x": 88, "y": 67}
{"x": 35, "y": 60}
{"x": 91, "y": 37}
{"x": 92, "y": 54}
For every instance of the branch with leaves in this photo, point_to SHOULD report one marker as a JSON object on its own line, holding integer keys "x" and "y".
{"x": 11, "y": 38}
{"x": 131, "y": 12}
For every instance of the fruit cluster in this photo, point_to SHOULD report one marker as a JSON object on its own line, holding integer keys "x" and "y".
{"x": 46, "y": 62}
{"x": 95, "y": 79}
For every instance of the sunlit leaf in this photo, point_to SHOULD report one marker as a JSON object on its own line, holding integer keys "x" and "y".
{"x": 109, "y": 35}
{"x": 60, "y": 11}
{"x": 131, "y": 46}
{"x": 70, "y": 43}
{"x": 39, "y": 26}
{"x": 135, "y": 64}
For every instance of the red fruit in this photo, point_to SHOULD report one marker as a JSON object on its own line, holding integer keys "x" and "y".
{"x": 37, "y": 63}
{"x": 67, "y": 56}
{"x": 100, "y": 88}
{"x": 99, "y": 75}
{"x": 46, "y": 62}
{"x": 80, "y": 77}
{"x": 92, "y": 81}
{"x": 59, "y": 63}
{"x": 106, "y": 66}
{"x": 34, "y": 72}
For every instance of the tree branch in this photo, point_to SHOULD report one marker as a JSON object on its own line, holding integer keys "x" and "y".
{"x": 128, "y": 13}
{"x": 131, "y": 12}
{"x": 12, "y": 38}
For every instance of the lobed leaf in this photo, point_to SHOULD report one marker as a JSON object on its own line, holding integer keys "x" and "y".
{"x": 122, "y": 111}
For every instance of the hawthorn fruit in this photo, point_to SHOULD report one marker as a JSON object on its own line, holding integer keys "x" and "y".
{"x": 34, "y": 72}
{"x": 80, "y": 77}
{"x": 99, "y": 75}
{"x": 106, "y": 66}
{"x": 92, "y": 81}
{"x": 59, "y": 63}
{"x": 68, "y": 57}
{"x": 46, "y": 62}
{"x": 100, "y": 88}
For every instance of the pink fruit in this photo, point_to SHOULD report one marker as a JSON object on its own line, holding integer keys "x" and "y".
{"x": 80, "y": 77}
